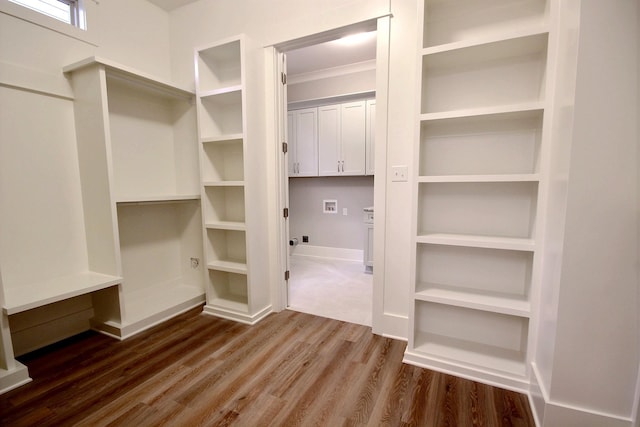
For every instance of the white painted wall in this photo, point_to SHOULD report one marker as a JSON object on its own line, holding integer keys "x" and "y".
{"x": 589, "y": 338}
{"x": 306, "y": 216}
{"x": 42, "y": 228}
{"x": 278, "y": 21}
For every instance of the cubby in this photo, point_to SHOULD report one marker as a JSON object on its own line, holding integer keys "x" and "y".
{"x": 224, "y": 104}
{"x": 481, "y": 147}
{"x": 448, "y": 22}
{"x": 223, "y": 162}
{"x": 500, "y": 73}
{"x": 478, "y": 178}
{"x": 138, "y": 155}
{"x": 481, "y": 339}
{"x": 500, "y": 209}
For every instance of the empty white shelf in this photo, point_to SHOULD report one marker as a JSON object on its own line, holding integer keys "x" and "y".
{"x": 26, "y": 297}
{"x": 533, "y": 177}
{"x": 228, "y": 266}
{"x": 223, "y": 183}
{"x": 463, "y": 352}
{"x": 223, "y": 139}
{"x": 226, "y": 225}
{"x": 508, "y": 243}
{"x": 483, "y": 111}
{"x": 486, "y": 301}
{"x": 221, "y": 91}
{"x": 158, "y": 199}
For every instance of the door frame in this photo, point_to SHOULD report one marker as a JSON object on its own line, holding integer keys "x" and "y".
{"x": 277, "y": 130}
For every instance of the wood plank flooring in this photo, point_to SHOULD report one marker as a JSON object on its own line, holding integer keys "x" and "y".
{"x": 290, "y": 369}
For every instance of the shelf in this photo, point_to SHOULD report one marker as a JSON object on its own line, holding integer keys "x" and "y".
{"x": 481, "y": 338}
{"x": 500, "y": 73}
{"x": 484, "y": 111}
{"x": 138, "y": 78}
{"x": 228, "y": 266}
{"x": 221, "y": 91}
{"x": 226, "y": 225}
{"x": 171, "y": 198}
{"x": 489, "y": 49}
{"x": 223, "y": 139}
{"x": 482, "y": 356}
{"x": 30, "y": 296}
{"x": 461, "y": 297}
{"x": 507, "y": 243}
{"x": 480, "y": 178}
{"x": 223, "y": 183}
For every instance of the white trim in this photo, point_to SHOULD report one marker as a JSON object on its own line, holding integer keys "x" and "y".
{"x": 88, "y": 8}
{"x": 555, "y": 410}
{"x": 15, "y": 76}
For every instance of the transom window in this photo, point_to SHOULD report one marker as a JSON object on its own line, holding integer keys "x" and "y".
{"x": 63, "y": 10}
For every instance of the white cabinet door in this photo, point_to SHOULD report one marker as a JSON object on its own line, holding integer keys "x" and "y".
{"x": 329, "y": 136}
{"x": 370, "y": 137}
{"x": 353, "y": 118}
{"x": 306, "y": 150}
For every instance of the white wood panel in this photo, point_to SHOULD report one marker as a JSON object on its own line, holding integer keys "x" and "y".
{"x": 329, "y": 122}
{"x": 353, "y": 132}
{"x": 306, "y": 142}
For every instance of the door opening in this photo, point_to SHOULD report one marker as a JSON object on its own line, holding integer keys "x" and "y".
{"x": 328, "y": 182}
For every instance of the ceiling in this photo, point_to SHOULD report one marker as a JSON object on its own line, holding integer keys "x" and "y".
{"x": 321, "y": 56}
{"x": 169, "y": 5}
{"x": 332, "y": 54}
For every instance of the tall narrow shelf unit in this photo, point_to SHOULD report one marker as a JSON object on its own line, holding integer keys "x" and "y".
{"x": 139, "y": 175}
{"x": 223, "y": 100}
{"x": 481, "y": 106}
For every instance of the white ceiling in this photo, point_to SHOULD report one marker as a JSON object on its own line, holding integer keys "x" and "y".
{"x": 169, "y": 5}
{"x": 330, "y": 55}
{"x": 321, "y": 56}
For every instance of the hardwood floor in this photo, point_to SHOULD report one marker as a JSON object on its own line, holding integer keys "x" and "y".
{"x": 290, "y": 369}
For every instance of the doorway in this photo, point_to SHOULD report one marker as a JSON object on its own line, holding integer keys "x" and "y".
{"x": 328, "y": 275}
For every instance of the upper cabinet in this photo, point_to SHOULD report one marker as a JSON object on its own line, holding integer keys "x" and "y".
{"x": 370, "y": 137}
{"x": 303, "y": 142}
{"x": 341, "y": 139}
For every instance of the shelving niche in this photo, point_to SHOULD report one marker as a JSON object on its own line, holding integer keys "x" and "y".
{"x": 138, "y": 155}
{"x": 226, "y": 117}
{"x": 480, "y": 121}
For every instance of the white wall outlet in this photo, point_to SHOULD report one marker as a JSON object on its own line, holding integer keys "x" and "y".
{"x": 345, "y": 212}
{"x": 399, "y": 173}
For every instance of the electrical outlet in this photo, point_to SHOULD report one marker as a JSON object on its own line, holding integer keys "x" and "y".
{"x": 399, "y": 173}
{"x": 305, "y": 239}
{"x": 345, "y": 212}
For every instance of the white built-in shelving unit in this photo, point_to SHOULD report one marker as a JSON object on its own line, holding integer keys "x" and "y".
{"x": 482, "y": 70}
{"x": 137, "y": 148}
{"x": 223, "y": 99}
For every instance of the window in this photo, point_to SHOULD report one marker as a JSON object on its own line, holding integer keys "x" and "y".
{"x": 67, "y": 11}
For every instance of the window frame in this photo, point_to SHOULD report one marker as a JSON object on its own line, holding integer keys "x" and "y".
{"x": 83, "y": 10}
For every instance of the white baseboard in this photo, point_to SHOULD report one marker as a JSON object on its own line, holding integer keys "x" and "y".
{"x": 549, "y": 412}
{"x": 327, "y": 252}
